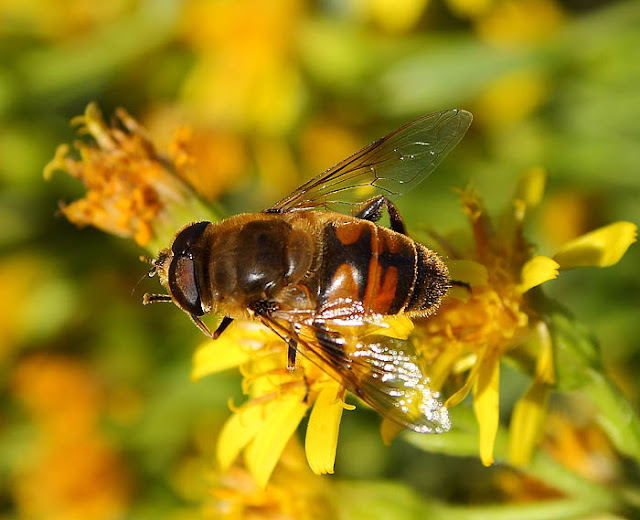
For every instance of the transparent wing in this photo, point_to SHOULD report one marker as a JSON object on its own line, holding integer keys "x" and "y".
{"x": 391, "y": 165}
{"x": 386, "y": 373}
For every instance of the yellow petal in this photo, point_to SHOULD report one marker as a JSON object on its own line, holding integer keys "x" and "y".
{"x": 237, "y": 432}
{"x": 529, "y": 413}
{"x": 544, "y": 364}
{"x": 282, "y": 417}
{"x": 236, "y": 346}
{"x": 536, "y": 271}
{"x": 389, "y": 430}
{"x": 441, "y": 368}
{"x": 527, "y": 423}
{"x": 467, "y": 271}
{"x": 459, "y": 396}
{"x": 322, "y": 431}
{"x": 530, "y": 188}
{"x": 216, "y": 356}
{"x": 397, "y": 327}
{"x": 486, "y": 404}
{"x": 600, "y": 248}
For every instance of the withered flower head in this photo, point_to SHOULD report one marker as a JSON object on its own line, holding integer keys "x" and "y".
{"x": 132, "y": 190}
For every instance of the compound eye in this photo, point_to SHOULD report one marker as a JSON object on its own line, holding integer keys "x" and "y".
{"x": 183, "y": 283}
{"x": 188, "y": 238}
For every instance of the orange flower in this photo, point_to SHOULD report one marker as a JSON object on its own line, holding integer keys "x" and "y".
{"x": 72, "y": 472}
{"x": 132, "y": 190}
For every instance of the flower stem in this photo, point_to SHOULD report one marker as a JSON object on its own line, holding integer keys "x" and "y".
{"x": 463, "y": 441}
{"x": 549, "y": 509}
{"x": 616, "y": 415}
{"x": 579, "y": 368}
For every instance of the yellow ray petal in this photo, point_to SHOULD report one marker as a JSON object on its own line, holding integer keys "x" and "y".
{"x": 237, "y": 432}
{"x": 530, "y": 188}
{"x": 235, "y": 347}
{"x": 600, "y": 248}
{"x": 441, "y": 367}
{"x": 530, "y": 411}
{"x": 467, "y": 271}
{"x": 486, "y": 403}
{"x": 459, "y": 396}
{"x": 536, "y": 271}
{"x": 322, "y": 431}
{"x": 282, "y": 417}
{"x": 545, "y": 371}
{"x": 389, "y": 430}
{"x": 527, "y": 423}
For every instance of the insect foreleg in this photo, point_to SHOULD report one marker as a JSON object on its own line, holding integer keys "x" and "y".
{"x": 226, "y": 321}
{"x": 201, "y": 325}
{"x": 372, "y": 211}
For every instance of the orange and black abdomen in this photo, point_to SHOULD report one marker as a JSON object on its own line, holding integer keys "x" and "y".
{"x": 387, "y": 271}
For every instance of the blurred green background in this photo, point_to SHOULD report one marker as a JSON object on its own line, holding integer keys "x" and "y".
{"x": 98, "y": 417}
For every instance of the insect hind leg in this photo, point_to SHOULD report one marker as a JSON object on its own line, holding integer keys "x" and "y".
{"x": 458, "y": 283}
{"x": 372, "y": 211}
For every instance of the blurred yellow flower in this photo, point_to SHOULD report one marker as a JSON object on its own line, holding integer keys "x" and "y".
{"x": 292, "y": 493}
{"x": 510, "y": 98}
{"x": 18, "y": 277}
{"x": 245, "y": 77}
{"x": 324, "y": 143}
{"x": 578, "y": 444}
{"x": 471, "y": 333}
{"x": 132, "y": 190}
{"x": 470, "y": 8}
{"x": 582, "y": 446}
{"x": 72, "y": 473}
{"x": 47, "y": 20}
{"x": 567, "y": 214}
{"x": 516, "y": 22}
{"x": 212, "y": 161}
{"x": 393, "y": 16}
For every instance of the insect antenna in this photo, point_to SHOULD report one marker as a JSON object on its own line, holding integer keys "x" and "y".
{"x": 150, "y": 273}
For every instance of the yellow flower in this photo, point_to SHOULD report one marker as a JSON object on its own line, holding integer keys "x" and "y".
{"x": 473, "y": 330}
{"x": 519, "y": 21}
{"x": 511, "y": 98}
{"x": 132, "y": 190}
{"x": 211, "y": 161}
{"x": 393, "y": 16}
{"x": 278, "y": 399}
{"x": 48, "y": 20}
{"x": 582, "y": 446}
{"x": 577, "y": 443}
{"x": 470, "y": 8}
{"x": 292, "y": 493}
{"x": 245, "y": 76}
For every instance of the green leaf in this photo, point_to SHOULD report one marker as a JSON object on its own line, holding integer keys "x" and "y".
{"x": 576, "y": 352}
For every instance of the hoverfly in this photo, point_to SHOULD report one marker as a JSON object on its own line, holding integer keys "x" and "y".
{"x": 316, "y": 276}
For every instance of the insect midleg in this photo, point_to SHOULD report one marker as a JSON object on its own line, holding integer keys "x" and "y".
{"x": 372, "y": 211}
{"x": 289, "y": 340}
